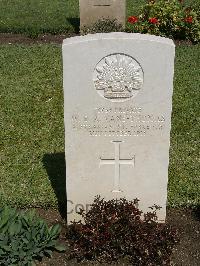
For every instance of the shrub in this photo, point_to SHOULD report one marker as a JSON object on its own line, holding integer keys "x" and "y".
{"x": 115, "y": 229}
{"x": 103, "y": 25}
{"x": 168, "y": 18}
{"x": 24, "y": 237}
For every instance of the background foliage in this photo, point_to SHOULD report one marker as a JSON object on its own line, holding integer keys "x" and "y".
{"x": 53, "y": 16}
{"x": 168, "y": 18}
{"x": 103, "y": 25}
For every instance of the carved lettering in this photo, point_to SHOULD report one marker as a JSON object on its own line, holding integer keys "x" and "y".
{"x": 127, "y": 121}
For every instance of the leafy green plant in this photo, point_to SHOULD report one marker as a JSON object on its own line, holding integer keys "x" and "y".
{"x": 103, "y": 26}
{"x": 169, "y": 18}
{"x": 24, "y": 237}
{"x": 117, "y": 229}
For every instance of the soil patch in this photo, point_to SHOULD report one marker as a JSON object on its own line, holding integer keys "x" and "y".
{"x": 187, "y": 253}
{"x": 9, "y": 38}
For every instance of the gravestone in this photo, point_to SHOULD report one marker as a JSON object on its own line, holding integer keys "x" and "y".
{"x": 117, "y": 108}
{"x": 93, "y": 10}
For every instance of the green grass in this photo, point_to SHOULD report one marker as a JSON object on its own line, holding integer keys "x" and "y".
{"x": 38, "y": 16}
{"x": 32, "y": 131}
{"x": 184, "y": 185}
{"x": 31, "y": 117}
{"x": 33, "y": 17}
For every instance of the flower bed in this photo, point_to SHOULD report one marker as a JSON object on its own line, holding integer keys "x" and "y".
{"x": 168, "y": 18}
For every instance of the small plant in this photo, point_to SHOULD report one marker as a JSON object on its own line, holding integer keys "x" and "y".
{"x": 24, "y": 237}
{"x": 103, "y": 26}
{"x": 117, "y": 229}
{"x": 168, "y": 18}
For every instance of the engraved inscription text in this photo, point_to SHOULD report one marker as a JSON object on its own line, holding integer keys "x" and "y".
{"x": 118, "y": 121}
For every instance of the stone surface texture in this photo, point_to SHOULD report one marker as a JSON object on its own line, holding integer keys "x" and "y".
{"x": 117, "y": 110}
{"x": 93, "y": 10}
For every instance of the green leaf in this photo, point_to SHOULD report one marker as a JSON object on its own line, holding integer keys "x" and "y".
{"x": 6, "y": 248}
{"x": 48, "y": 252}
{"x": 60, "y": 248}
{"x": 55, "y": 230}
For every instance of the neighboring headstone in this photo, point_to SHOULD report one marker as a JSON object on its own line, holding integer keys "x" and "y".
{"x": 117, "y": 102}
{"x": 93, "y": 10}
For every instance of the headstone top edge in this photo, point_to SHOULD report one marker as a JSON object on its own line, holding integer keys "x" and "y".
{"x": 118, "y": 35}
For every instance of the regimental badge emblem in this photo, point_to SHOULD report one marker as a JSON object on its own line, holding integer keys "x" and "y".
{"x": 118, "y": 77}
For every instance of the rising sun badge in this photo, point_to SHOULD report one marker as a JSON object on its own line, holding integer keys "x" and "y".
{"x": 118, "y": 77}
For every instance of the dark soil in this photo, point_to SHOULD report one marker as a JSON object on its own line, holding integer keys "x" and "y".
{"x": 9, "y": 38}
{"x": 186, "y": 253}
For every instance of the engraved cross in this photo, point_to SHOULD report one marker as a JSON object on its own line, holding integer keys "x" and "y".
{"x": 117, "y": 161}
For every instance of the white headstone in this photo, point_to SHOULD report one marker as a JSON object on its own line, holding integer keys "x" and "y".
{"x": 117, "y": 103}
{"x": 94, "y": 10}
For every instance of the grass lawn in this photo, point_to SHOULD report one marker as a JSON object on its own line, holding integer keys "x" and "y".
{"x": 184, "y": 182}
{"x": 53, "y": 16}
{"x": 32, "y": 130}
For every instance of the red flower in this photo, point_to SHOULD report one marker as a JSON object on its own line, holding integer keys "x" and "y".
{"x": 189, "y": 19}
{"x": 153, "y": 20}
{"x": 133, "y": 19}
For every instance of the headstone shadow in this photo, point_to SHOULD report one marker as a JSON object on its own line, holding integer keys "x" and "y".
{"x": 55, "y": 166}
{"x": 196, "y": 213}
{"x": 75, "y": 22}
